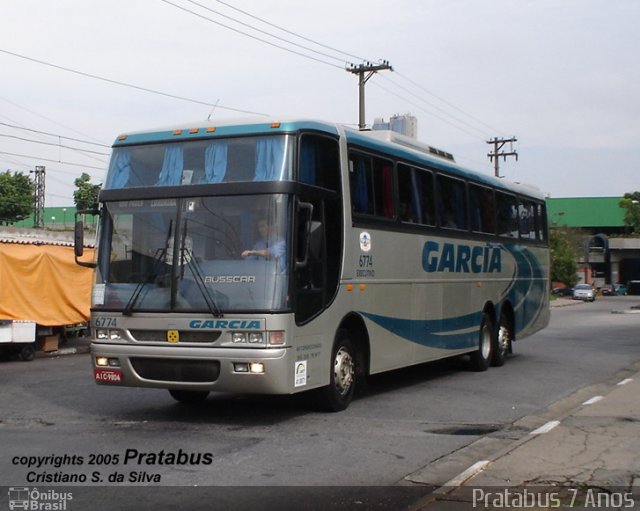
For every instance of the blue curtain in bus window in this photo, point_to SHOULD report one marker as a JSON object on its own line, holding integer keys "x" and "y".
{"x": 308, "y": 163}
{"x": 269, "y": 159}
{"x": 362, "y": 192}
{"x": 120, "y": 169}
{"x": 215, "y": 162}
{"x": 171, "y": 173}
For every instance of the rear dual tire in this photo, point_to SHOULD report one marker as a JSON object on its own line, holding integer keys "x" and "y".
{"x": 481, "y": 358}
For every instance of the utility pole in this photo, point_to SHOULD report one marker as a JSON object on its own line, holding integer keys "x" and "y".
{"x": 364, "y": 72}
{"x": 38, "y": 198}
{"x": 498, "y": 144}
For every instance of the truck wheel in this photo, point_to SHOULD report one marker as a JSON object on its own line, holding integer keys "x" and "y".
{"x": 189, "y": 396}
{"x": 28, "y": 353}
{"x": 337, "y": 396}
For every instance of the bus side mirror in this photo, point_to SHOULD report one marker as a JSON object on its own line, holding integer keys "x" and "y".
{"x": 78, "y": 239}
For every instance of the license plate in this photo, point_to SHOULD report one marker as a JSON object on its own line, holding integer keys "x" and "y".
{"x": 107, "y": 375}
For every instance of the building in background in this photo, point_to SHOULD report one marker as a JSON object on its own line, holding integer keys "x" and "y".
{"x": 609, "y": 254}
{"x": 405, "y": 124}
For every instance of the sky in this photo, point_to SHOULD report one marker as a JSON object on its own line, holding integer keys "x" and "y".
{"x": 561, "y": 76}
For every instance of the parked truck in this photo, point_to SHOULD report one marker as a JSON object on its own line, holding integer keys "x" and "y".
{"x": 43, "y": 296}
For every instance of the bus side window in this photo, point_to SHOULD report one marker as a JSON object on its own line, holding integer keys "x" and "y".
{"x": 507, "y": 215}
{"x": 415, "y": 194}
{"x": 526, "y": 220}
{"x": 361, "y": 184}
{"x": 452, "y": 204}
{"x": 371, "y": 181}
{"x": 320, "y": 162}
{"x": 482, "y": 209}
{"x": 541, "y": 221}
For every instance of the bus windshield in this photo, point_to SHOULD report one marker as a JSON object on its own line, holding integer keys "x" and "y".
{"x": 251, "y": 158}
{"x": 204, "y": 254}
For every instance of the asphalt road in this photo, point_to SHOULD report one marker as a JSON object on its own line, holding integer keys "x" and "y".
{"x": 105, "y": 438}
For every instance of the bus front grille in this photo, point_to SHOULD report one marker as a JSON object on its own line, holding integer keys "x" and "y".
{"x": 176, "y": 370}
{"x": 185, "y": 336}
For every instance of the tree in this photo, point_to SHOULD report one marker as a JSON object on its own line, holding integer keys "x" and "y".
{"x": 564, "y": 248}
{"x": 631, "y": 204}
{"x": 16, "y": 197}
{"x": 86, "y": 194}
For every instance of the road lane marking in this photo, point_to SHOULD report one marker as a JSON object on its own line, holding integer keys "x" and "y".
{"x": 625, "y": 381}
{"x": 545, "y": 428}
{"x": 593, "y": 400}
{"x": 473, "y": 470}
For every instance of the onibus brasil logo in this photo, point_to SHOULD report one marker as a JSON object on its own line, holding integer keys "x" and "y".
{"x": 36, "y": 500}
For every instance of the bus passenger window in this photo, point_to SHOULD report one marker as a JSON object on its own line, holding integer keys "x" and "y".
{"x": 451, "y": 200}
{"x": 371, "y": 181}
{"x": 482, "y": 209}
{"x": 507, "y": 215}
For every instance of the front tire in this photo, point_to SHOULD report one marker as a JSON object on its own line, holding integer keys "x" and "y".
{"x": 189, "y": 396}
{"x": 337, "y": 396}
{"x": 481, "y": 358}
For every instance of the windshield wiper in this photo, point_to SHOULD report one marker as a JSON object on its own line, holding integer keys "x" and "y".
{"x": 159, "y": 258}
{"x": 198, "y": 276}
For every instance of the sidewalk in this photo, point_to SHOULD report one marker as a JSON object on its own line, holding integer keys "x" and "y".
{"x": 586, "y": 457}
{"x": 72, "y": 346}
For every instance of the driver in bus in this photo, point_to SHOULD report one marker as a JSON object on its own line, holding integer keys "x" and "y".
{"x": 268, "y": 245}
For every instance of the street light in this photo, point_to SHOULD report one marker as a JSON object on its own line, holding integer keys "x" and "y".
{"x": 64, "y": 217}
{"x": 53, "y": 219}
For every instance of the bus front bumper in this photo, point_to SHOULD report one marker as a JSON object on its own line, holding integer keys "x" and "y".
{"x": 252, "y": 371}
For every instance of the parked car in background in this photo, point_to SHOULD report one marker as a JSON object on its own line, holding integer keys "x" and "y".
{"x": 562, "y": 291}
{"x": 633, "y": 287}
{"x": 621, "y": 289}
{"x": 584, "y": 292}
{"x": 608, "y": 290}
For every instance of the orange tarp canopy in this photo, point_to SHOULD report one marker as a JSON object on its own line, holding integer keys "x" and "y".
{"x": 42, "y": 283}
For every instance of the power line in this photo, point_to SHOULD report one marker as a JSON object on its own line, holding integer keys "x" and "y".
{"x": 290, "y": 32}
{"x": 52, "y": 144}
{"x": 260, "y": 30}
{"x": 428, "y": 112}
{"x": 442, "y": 110}
{"x": 54, "y": 161}
{"x": 131, "y": 86}
{"x": 53, "y": 134}
{"x": 446, "y": 102}
{"x": 37, "y": 114}
{"x": 251, "y": 36}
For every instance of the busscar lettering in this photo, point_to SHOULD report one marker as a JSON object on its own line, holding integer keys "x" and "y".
{"x": 461, "y": 258}
{"x": 222, "y": 324}
{"x": 229, "y": 279}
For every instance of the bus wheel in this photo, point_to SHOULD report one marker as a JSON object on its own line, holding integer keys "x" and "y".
{"x": 189, "y": 396}
{"x": 502, "y": 346}
{"x": 481, "y": 359}
{"x": 342, "y": 376}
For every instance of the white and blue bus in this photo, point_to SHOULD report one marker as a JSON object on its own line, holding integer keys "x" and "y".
{"x": 280, "y": 257}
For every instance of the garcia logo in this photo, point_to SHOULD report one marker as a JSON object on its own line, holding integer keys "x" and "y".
{"x": 461, "y": 258}
{"x": 231, "y": 324}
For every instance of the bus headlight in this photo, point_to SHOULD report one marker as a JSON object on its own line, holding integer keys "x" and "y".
{"x": 104, "y": 334}
{"x": 255, "y": 337}
{"x": 239, "y": 337}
